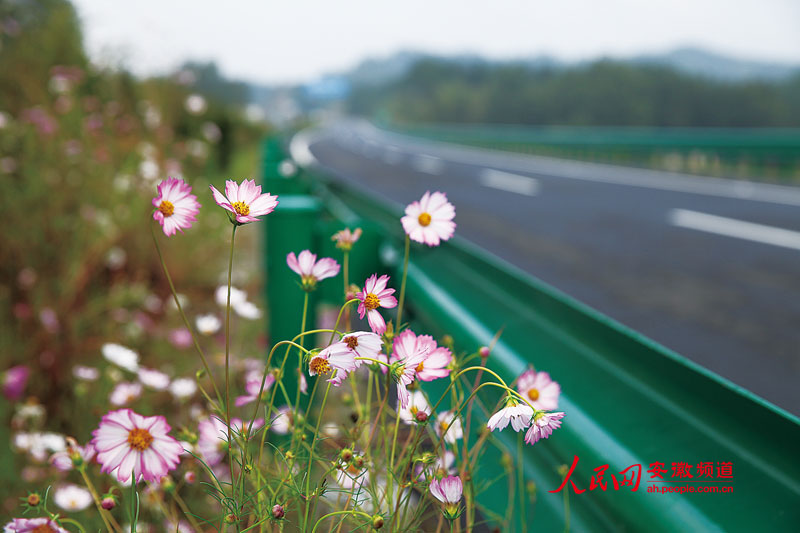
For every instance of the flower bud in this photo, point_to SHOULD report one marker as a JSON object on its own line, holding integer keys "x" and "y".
{"x": 167, "y": 484}
{"x": 108, "y": 502}
{"x": 190, "y": 477}
{"x": 421, "y": 417}
{"x": 278, "y": 512}
{"x": 33, "y": 499}
{"x": 484, "y": 351}
{"x": 377, "y": 521}
{"x": 230, "y": 519}
{"x": 358, "y": 461}
{"x": 345, "y": 455}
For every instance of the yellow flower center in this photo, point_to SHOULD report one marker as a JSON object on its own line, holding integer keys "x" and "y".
{"x": 351, "y": 342}
{"x": 533, "y": 394}
{"x": 414, "y": 410}
{"x": 139, "y": 439}
{"x": 443, "y": 426}
{"x": 320, "y": 366}
{"x": 371, "y": 302}
{"x": 166, "y": 208}
{"x": 241, "y": 208}
{"x": 424, "y": 219}
{"x": 420, "y": 366}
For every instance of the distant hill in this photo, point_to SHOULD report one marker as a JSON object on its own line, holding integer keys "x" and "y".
{"x": 708, "y": 64}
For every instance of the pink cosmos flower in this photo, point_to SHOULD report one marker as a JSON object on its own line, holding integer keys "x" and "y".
{"x": 375, "y": 295}
{"x": 345, "y": 239}
{"x": 543, "y": 426}
{"x": 212, "y": 436}
{"x": 152, "y": 378}
{"x": 245, "y": 202}
{"x": 64, "y": 460}
{"x": 363, "y": 344}
{"x": 127, "y": 443}
{"x": 176, "y": 207}
{"x": 519, "y": 414}
{"x": 310, "y": 270}
{"x": 14, "y": 382}
{"x": 180, "y": 338}
{"x": 283, "y": 421}
{"x": 253, "y": 386}
{"x": 336, "y": 357}
{"x": 125, "y": 393}
{"x": 437, "y": 358}
{"x": 430, "y": 220}
{"x": 539, "y": 389}
{"x": 409, "y": 354}
{"x": 448, "y": 491}
{"x": 33, "y": 525}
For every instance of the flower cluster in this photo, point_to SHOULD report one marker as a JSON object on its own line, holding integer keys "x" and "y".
{"x": 375, "y": 444}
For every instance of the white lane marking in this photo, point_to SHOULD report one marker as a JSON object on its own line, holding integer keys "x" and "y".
{"x": 506, "y": 181}
{"x": 597, "y": 172}
{"x": 731, "y": 227}
{"x": 427, "y": 164}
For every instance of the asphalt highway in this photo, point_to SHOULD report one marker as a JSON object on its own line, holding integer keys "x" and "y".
{"x": 707, "y": 267}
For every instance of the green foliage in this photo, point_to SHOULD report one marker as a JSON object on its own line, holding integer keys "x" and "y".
{"x": 603, "y": 93}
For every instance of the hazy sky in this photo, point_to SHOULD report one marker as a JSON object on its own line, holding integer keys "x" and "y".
{"x": 297, "y": 40}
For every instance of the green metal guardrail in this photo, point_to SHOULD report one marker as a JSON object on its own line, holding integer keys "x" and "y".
{"x": 714, "y": 150}
{"x": 628, "y": 400}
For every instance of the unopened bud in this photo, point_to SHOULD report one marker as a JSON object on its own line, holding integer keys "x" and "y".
{"x": 507, "y": 461}
{"x": 484, "y": 351}
{"x": 563, "y": 470}
{"x": 33, "y": 499}
{"x": 167, "y": 484}
{"x": 448, "y": 341}
{"x": 190, "y": 477}
{"x": 278, "y": 512}
{"x": 358, "y": 461}
{"x": 377, "y": 521}
{"x": 421, "y": 416}
{"x": 108, "y": 502}
{"x": 345, "y": 455}
{"x": 230, "y": 519}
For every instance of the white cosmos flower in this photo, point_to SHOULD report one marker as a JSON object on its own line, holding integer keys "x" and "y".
{"x": 72, "y": 497}
{"x": 416, "y": 404}
{"x": 85, "y": 373}
{"x": 519, "y": 414}
{"x": 208, "y": 324}
{"x": 182, "y": 388}
{"x": 125, "y": 393}
{"x": 121, "y": 356}
{"x": 247, "y": 310}
{"x": 447, "y": 424}
{"x": 40, "y": 445}
{"x": 237, "y": 296}
{"x": 153, "y": 379}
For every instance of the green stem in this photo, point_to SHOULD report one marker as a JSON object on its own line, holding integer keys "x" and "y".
{"x": 183, "y": 315}
{"x": 227, "y": 359}
{"x": 311, "y": 451}
{"x": 73, "y": 522}
{"x": 335, "y": 513}
{"x": 403, "y": 285}
{"x": 108, "y": 519}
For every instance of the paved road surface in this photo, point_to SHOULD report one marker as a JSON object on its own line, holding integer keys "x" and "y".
{"x": 710, "y": 268}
